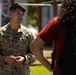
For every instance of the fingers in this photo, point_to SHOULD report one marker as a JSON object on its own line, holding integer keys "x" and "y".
{"x": 10, "y": 59}
{"x": 14, "y": 59}
{"x": 19, "y": 60}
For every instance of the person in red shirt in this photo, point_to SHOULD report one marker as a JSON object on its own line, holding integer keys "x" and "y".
{"x": 55, "y": 30}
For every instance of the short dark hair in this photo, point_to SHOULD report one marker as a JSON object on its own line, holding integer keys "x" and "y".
{"x": 15, "y": 6}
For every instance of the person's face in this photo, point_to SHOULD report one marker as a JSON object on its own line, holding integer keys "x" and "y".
{"x": 5, "y": 7}
{"x": 16, "y": 16}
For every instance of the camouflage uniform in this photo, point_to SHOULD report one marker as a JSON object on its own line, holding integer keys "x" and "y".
{"x": 15, "y": 43}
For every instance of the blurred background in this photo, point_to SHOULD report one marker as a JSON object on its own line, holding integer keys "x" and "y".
{"x": 37, "y": 15}
{"x": 38, "y": 12}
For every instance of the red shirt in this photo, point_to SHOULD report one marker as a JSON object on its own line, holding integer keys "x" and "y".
{"x": 54, "y": 32}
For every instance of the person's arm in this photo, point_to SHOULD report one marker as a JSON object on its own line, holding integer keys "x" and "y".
{"x": 36, "y": 48}
{"x": 29, "y": 58}
{"x": 6, "y": 59}
{"x": 47, "y": 34}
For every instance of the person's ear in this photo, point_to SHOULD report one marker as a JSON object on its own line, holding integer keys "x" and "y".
{"x": 10, "y": 13}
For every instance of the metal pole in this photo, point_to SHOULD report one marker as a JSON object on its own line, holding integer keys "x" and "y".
{"x": 54, "y": 14}
{"x": 12, "y": 1}
{"x": 55, "y": 8}
{"x": 40, "y": 16}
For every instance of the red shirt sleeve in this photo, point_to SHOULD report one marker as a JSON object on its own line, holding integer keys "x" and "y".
{"x": 54, "y": 32}
{"x": 49, "y": 32}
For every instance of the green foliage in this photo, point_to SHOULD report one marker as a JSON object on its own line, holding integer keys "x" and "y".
{"x": 33, "y": 13}
{"x": 32, "y": 1}
{"x": 39, "y": 70}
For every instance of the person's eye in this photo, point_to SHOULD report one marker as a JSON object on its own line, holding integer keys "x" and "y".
{"x": 18, "y": 13}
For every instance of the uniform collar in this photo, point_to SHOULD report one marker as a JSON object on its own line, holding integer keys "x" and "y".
{"x": 11, "y": 30}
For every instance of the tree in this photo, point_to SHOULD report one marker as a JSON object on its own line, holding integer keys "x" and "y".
{"x": 33, "y": 12}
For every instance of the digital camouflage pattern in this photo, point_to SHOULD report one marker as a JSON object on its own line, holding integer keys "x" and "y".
{"x": 15, "y": 43}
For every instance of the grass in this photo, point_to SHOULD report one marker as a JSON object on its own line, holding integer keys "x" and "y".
{"x": 39, "y": 70}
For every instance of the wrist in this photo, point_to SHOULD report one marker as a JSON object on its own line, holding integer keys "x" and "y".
{"x": 24, "y": 58}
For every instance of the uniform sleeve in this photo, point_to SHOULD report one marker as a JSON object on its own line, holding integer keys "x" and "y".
{"x": 30, "y": 58}
{"x": 49, "y": 32}
{"x": 2, "y": 57}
